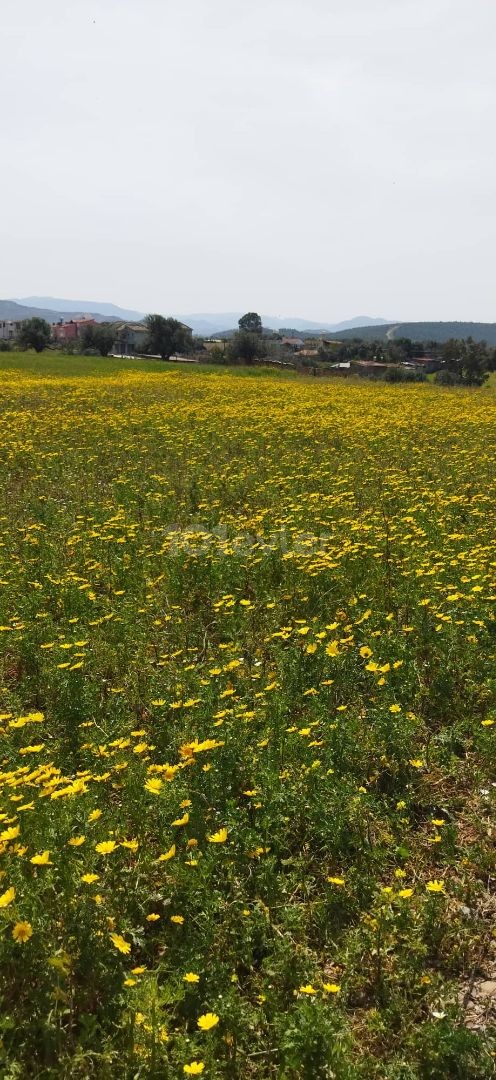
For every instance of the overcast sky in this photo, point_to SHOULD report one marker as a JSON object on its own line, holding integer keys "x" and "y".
{"x": 320, "y": 158}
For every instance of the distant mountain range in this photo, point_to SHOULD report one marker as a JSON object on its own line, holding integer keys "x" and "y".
{"x": 81, "y": 307}
{"x": 210, "y": 324}
{"x": 204, "y": 323}
{"x": 12, "y": 310}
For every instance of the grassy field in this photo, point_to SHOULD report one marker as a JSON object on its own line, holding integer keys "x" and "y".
{"x": 248, "y": 705}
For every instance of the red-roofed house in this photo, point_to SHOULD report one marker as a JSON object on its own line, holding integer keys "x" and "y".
{"x": 69, "y": 331}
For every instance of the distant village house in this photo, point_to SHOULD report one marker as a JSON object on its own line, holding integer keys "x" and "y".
{"x": 63, "y": 332}
{"x": 215, "y": 344}
{"x": 292, "y": 343}
{"x": 9, "y": 329}
{"x": 129, "y": 339}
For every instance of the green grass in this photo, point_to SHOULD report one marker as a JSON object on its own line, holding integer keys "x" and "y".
{"x": 55, "y": 363}
{"x": 247, "y": 711}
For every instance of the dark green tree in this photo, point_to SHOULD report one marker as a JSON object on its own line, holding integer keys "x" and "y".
{"x": 400, "y": 349}
{"x": 34, "y": 334}
{"x": 452, "y": 352}
{"x": 245, "y": 348}
{"x": 467, "y": 361}
{"x": 167, "y": 336}
{"x": 251, "y": 323}
{"x": 99, "y": 337}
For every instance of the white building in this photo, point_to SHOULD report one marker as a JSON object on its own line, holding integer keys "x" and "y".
{"x": 9, "y": 329}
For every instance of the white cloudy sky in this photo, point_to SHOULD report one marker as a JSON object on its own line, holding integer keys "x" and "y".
{"x": 321, "y": 158}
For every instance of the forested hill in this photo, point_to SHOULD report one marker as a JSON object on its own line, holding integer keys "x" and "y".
{"x": 422, "y": 331}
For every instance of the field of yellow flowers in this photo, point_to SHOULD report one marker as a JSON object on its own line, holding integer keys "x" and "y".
{"x": 247, "y": 721}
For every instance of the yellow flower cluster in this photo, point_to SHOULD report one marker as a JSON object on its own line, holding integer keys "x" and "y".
{"x": 247, "y": 629}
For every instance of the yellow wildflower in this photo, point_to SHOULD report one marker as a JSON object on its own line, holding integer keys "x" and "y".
{"x": 41, "y": 860}
{"x": 22, "y": 931}
{"x": 168, "y": 854}
{"x": 208, "y": 1021}
{"x": 106, "y": 847}
{"x": 219, "y": 837}
{"x": 7, "y": 897}
{"x": 120, "y": 943}
{"x": 154, "y": 786}
{"x": 435, "y": 886}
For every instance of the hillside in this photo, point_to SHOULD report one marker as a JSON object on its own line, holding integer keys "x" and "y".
{"x": 208, "y": 324}
{"x": 82, "y": 307}
{"x": 422, "y": 331}
{"x": 212, "y": 324}
{"x": 223, "y": 324}
{"x": 10, "y": 309}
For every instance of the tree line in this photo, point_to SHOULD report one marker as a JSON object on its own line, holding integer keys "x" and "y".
{"x": 460, "y": 360}
{"x": 165, "y": 337}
